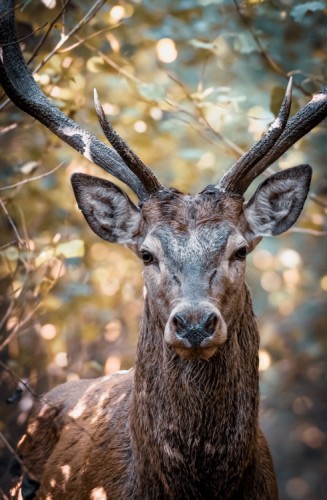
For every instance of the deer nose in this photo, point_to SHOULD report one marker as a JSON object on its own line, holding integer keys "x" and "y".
{"x": 193, "y": 332}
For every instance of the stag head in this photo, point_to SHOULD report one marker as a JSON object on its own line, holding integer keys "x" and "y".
{"x": 194, "y": 248}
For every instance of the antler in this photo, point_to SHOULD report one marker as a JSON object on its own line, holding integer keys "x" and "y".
{"x": 143, "y": 172}
{"x": 278, "y": 139}
{"x": 21, "y": 88}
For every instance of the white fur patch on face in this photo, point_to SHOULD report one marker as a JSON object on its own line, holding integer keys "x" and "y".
{"x": 153, "y": 245}
{"x": 234, "y": 242}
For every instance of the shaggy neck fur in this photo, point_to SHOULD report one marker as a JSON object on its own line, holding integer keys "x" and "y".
{"x": 194, "y": 423}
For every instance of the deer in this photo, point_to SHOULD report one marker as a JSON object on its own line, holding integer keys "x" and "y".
{"x": 183, "y": 423}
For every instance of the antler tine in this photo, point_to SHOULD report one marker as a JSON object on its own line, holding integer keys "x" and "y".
{"x": 244, "y": 171}
{"x": 298, "y": 126}
{"x": 21, "y": 88}
{"x": 131, "y": 159}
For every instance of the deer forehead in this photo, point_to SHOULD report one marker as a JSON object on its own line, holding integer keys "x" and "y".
{"x": 203, "y": 242}
{"x": 183, "y": 212}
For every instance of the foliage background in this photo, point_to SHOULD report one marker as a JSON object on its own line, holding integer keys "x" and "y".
{"x": 189, "y": 84}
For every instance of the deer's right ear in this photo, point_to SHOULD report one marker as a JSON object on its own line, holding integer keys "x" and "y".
{"x": 106, "y": 208}
{"x": 278, "y": 201}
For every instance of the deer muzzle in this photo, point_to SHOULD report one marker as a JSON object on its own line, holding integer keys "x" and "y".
{"x": 195, "y": 330}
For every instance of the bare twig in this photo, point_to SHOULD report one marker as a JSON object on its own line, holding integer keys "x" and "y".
{"x": 15, "y": 8}
{"x": 25, "y": 37}
{"x": 317, "y": 200}
{"x": 116, "y": 66}
{"x": 7, "y": 314}
{"x": 9, "y": 244}
{"x": 18, "y": 380}
{"x": 4, "y": 496}
{"x": 304, "y": 230}
{"x": 4, "y": 130}
{"x": 31, "y": 179}
{"x": 82, "y": 41}
{"x": 20, "y": 241}
{"x": 234, "y": 147}
{"x": 19, "y": 325}
{"x": 17, "y": 457}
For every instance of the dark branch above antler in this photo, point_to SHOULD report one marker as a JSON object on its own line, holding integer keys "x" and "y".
{"x": 279, "y": 138}
{"x": 22, "y": 89}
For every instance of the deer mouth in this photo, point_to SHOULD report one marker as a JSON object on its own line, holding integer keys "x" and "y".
{"x": 204, "y": 350}
{"x": 204, "y": 353}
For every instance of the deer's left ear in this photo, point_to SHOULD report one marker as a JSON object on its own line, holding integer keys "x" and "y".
{"x": 278, "y": 201}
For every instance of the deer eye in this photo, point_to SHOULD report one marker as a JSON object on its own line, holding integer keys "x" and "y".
{"x": 146, "y": 257}
{"x": 241, "y": 253}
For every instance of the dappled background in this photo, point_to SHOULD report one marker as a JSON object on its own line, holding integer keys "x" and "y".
{"x": 190, "y": 84}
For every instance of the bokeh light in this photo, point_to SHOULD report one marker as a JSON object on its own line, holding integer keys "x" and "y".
{"x": 264, "y": 360}
{"x": 117, "y": 13}
{"x": 48, "y": 331}
{"x": 166, "y": 50}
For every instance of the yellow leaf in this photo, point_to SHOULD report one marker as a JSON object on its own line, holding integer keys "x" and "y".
{"x": 71, "y": 249}
{"x": 95, "y": 64}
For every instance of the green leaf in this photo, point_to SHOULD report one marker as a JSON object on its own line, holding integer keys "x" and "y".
{"x": 199, "y": 44}
{"x": 11, "y": 253}
{"x": 299, "y": 11}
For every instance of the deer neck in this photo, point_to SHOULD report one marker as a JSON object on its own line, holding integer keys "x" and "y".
{"x": 196, "y": 416}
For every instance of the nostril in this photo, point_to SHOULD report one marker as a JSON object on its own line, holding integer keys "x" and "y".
{"x": 179, "y": 322}
{"x": 211, "y": 323}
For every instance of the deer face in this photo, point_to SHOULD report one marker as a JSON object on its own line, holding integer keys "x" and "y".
{"x": 194, "y": 248}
